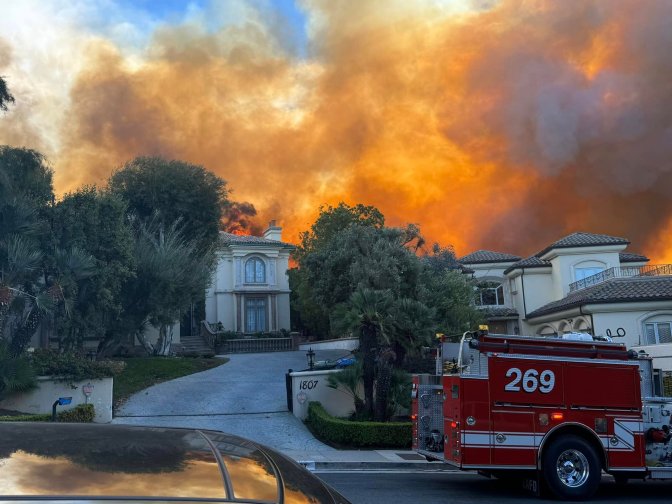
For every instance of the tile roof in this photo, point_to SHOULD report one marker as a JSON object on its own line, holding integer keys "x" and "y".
{"x": 499, "y": 312}
{"x": 247, "y": 240}
{"x": 488, "y": 256}
{"x": 615, "y": 290}
{"x": 584, "y": 240}
{"x": 629, "y": 257}
{"x": 529, "y": 262}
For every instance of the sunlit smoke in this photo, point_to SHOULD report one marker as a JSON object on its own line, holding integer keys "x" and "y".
{"x": 499, "y": 125}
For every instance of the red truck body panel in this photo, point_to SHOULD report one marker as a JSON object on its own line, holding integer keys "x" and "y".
{"x": 514, "y": 393}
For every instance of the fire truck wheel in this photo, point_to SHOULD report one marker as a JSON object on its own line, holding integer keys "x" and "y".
{"x": 571, "y": 468}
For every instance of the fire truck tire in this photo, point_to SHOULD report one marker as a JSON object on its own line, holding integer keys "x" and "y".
{"x": 571, "y": 468}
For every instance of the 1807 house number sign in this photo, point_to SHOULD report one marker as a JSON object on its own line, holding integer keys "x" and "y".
{"x": 307, "y": 384}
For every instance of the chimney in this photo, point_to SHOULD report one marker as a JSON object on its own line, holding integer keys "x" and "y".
{"x": 273, "y": 232}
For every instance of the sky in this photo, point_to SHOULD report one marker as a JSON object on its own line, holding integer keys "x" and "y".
{"x": 492, "y": 124}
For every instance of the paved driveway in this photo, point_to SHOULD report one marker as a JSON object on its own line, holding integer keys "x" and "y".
{"x": 246, "y": 397}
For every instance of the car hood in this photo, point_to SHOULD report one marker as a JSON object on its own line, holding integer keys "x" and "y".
{"x": 79, "y": 460}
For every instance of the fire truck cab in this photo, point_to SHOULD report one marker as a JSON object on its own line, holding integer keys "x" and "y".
{"x": 556, "y": 412}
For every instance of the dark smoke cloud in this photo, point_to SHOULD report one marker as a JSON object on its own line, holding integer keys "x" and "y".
{"x": 502, "y": 128}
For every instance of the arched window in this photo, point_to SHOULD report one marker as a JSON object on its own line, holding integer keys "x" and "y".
{"x": 255, "y": 271}
{"x": 580, "y": 325}
{"x": 564, "y": 328}
{"x": 547, "y": 331}
{"x": 489, "y": 294}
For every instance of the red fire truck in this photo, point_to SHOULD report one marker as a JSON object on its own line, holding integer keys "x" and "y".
{"x": 555, "y": 412}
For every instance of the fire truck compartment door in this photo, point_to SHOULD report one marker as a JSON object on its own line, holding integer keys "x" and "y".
{"x": 513, "y": 440}
{"x": 526, "y": 382}
{"x": 604, "y": 386}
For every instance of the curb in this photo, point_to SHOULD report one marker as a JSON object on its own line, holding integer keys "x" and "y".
{"x": 373, "y": 466}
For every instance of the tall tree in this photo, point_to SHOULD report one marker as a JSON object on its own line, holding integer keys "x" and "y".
{"x": 333, "y": 220}
{"x": 94, "y": 222}
{"x": 170, "y": 274}
{"x": 310, "y": 312}
{"x": 367, "y": 313}
{"x": 171, "y": 195}
{"x": 359, "y": 256}
{"x": 449, "y": 292}
{"x": 25, "y": 197}
{"x": 5, "y": 96}
{"x": 167, "y": 192}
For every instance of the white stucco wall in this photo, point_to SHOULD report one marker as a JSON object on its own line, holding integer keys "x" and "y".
{"x": 41, "y": 399}
{"x": 564, "y": 261}
{"x": 536, "y": 290}
{"x": 310, "y": 386}
{"x": 629, "y": 321}
{"x": 283, "y": 311}
{"x": 334, "y": 344}
{"x": 494, "y": 272}
{"x": 662, "y": 355}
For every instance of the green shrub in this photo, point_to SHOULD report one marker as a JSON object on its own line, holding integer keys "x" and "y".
{"x": 223, "y": 336}
{"x": 357, "y": 434}
{"x": 70, "y": 367}
{"x": 83, "y": 413}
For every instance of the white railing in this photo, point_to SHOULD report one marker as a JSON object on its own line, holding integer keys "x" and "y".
{"x": 621, "y": 272}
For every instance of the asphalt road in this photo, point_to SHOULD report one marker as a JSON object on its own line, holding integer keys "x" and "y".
{"x": 404, "y": 487}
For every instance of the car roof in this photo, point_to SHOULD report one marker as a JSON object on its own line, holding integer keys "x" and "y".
{"x": 64, "y": 461}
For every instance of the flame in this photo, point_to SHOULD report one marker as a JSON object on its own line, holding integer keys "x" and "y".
{"x": 500, "y": 125}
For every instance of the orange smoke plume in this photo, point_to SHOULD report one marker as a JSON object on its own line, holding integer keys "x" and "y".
{"x": 504, "y": 125}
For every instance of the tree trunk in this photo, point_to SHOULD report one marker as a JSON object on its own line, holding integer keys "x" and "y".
{"x": 368, "y": 347}
{"x": 149, "y": 348}
{"x": 164, "y": 342}
{"x": 383, "y": 384}
{"x": 24, "y": 333}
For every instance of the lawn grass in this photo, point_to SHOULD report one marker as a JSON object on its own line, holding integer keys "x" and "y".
{"x": 143, "y": 372}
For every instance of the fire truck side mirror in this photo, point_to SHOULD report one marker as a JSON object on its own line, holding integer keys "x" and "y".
{"x": 473, "y": 343}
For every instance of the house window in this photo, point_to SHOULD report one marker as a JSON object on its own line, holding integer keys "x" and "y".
{"x": 255, "y": 271}
{"x": 255, "y": 315}
{"x": 489, "y": 294}
{"x": 658, "y": 332}
{"x": 581, "y": 273}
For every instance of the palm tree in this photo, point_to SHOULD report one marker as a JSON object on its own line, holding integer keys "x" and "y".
{"x": 67, "y": 280}
{"x": 413, "y": 328}
{"x": 368, "y": 313}
{"x": 350, "y": 379}
{"x": 16, "y": 373}
{"x": 171, "y": 273}
{"x": 25, "y": 187}
{"x": 24, "y": 296}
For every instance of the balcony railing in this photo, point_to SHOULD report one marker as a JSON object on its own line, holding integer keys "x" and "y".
{"x": 623, "y": 271}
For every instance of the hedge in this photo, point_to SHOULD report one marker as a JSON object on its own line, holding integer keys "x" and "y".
{"x": 83, "y": 413}
{"x": 357, "y": 434}
{"x": 72, "y": 368}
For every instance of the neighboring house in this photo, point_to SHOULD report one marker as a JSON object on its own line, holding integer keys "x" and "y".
{"x": 493, "y": 294}
{"x": 583, "y": 282}
{"x": 250, "y": 288}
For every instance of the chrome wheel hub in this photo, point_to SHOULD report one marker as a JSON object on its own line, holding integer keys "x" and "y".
{"x": 572, "y": 468}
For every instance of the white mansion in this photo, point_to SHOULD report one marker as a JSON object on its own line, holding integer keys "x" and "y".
{"x": 583, "y": 282}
